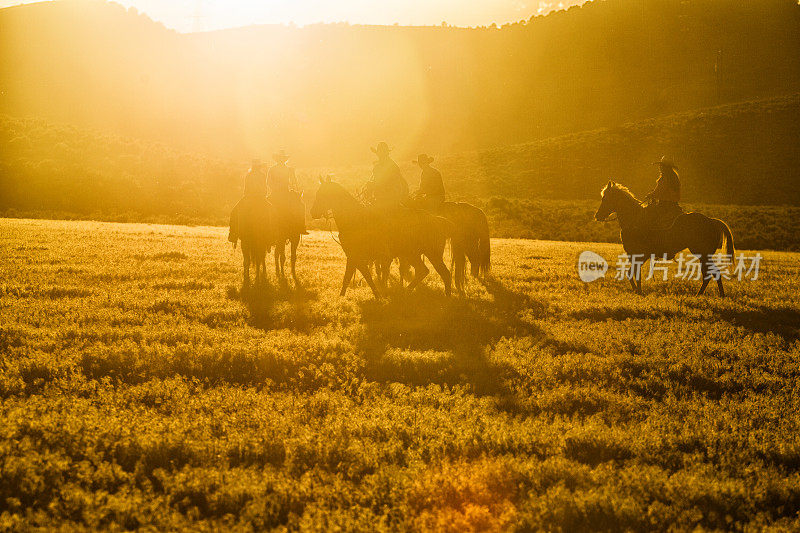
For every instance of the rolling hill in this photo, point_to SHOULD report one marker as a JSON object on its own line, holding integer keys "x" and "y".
{"x": 328, "y": 92}
{"x": 742, "y": 153}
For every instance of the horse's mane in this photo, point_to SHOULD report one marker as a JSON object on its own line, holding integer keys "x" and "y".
{"x": 623, "y": 190}
{"x": 344, "y": 193}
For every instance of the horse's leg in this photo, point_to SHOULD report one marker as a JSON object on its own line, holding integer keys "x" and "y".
{"x": 349, "y": 270}
{"x": 720, "y": 288}
{"x": 704, "y": 273}
{"x": 402, "y": 267}
{"x": 420, "y": 271}
{"x": 639, "y": 271}
{"x": 365, "y": 271}
{"x": 246, "y": 265}
{"x": 277, "y": 254}
{"x": 380, "y": 271}
{"x": 385, "y": 267}
{"x": 262, "y": 262}
{"x": 474, "y": 262}
{"x": 459, "y": 266}
{"x": 631, "y": 275}
{"x": 283, "y": 260}
{"x": 354, "y": 282}
{"x": 405, "y": 272}
{"x": 441, "y": 268}
{"x": 293, "y": 259}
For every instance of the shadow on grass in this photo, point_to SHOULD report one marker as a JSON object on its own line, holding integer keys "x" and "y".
{"x": 278, "y": 307}
{"x": 622, "y": 313}
{"x": 423, "y": 337}
{"x": 781, "y": 321}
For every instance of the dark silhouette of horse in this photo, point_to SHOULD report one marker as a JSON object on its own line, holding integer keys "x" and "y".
{"x": 470, "y": 240}
{"x": 379, "y": 235}
{"x": 700, "y": 234}
{"x": 255, "y": 233}
{"x": 285, "y": 229}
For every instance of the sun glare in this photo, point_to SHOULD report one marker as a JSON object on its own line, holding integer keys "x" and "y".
{"x": 206, "y": 15}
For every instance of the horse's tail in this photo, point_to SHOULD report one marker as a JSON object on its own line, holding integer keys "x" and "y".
{"x": 444, "y": 230}
{"x": 484, "y": 247}
{"x": 726, "y": 238}
{"x": 444, "y": 227}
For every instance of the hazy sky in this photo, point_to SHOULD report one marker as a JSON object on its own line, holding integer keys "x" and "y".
{"x": 186, "y": 15}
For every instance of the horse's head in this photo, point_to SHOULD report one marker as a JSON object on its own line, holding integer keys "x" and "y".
{"x": 609, "y": 203}
{"x": 327, "y": 199}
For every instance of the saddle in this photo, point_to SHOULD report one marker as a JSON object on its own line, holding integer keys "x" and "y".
{"x": 288, "y": 211}
{"x": 660, "y": 215}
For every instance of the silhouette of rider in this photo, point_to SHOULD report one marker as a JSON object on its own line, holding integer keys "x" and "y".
{"x": 255, "y": 188}
{"x": 388, "y": 187}
{"x": 430, "y": 194}
{"x": 282, "y": 184}
{"x": 664, "y": 199}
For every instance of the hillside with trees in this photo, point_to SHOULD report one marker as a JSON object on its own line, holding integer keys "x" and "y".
{"x": 741, "y": 153}
{"x": 328, "y": 92}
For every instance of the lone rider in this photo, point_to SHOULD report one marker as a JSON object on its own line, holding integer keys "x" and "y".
{"x": 430, "y": 194}
{"x": 388, "y": 187}
{"x": 664, "y": 199}
{"x": 255, "y": 188}
{"x": 282, "y": 184}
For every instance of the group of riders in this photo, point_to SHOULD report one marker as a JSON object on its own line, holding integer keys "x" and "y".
{"x": 388, "y": 188}
{"x": 280, "y": 182}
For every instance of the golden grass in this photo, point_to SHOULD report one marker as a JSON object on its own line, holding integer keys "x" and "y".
{"x": 140, "y": 387}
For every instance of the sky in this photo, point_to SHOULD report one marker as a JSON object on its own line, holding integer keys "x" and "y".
{"x": 204, "y": 15}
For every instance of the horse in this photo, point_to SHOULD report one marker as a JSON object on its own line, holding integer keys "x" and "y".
{"x": 370, "y": 234}
{"x": 256, "y": 236}
{"x": 470, "y": 240}
{"x": 285, "y": 229}
{"x": 700, "y": 234}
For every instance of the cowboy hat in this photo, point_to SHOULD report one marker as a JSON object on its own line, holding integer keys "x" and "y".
{"x": 382, "y": 148}
{"x": 280, "y": 155}
{"x": 423, "y": 159}
{"x": 665, "y": 162}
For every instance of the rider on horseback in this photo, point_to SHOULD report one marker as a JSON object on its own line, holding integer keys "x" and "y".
{"x": 430, "y": 194}
{"x": 255, "y": 189}
{"x": 387, "y": 186}
{"x": 282, "y": 184}
{"x": 662, "y": 206}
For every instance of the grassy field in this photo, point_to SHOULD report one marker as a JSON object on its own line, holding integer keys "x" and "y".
{"x": 140, "y": 387}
